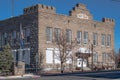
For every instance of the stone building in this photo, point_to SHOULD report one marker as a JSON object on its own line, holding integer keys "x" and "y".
{"x": 39, "y": 22}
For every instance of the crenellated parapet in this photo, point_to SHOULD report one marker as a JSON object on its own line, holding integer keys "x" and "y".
{"x": 110, "y": 20}
{"x": 80, "y": 11}
{"x": 38, "y": 8}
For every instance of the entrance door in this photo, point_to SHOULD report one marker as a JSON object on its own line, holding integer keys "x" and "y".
{"x": 79, "y": 62}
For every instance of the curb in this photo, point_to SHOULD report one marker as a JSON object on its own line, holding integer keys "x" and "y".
{"x": 15, "y": 77}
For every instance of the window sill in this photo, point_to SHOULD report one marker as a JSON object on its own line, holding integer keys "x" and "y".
{"x": 94, "y": 45}
{"x": 108, "y": 46}
{"x": 79, "y": 44}
{"x": 48, "y": 42}
{"x": 103, "y": 45}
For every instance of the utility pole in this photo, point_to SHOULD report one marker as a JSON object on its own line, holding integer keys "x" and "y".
{"x": 12, "y": 8}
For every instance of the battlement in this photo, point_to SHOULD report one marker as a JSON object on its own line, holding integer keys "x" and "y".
{"x": 39, "y": 7}
{"x": 78, "y": 6}
{"x": 108, "y": 20}
{"x": 80, "y": 11}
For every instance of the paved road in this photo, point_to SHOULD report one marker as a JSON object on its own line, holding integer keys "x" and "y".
{"x": 107, "y": 75}
{"x": 61, "y": 78}
{"x": 111, "y": 75}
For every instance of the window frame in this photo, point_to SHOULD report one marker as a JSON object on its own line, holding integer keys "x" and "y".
{"x": 103, "y": 39}
{"x": 86, "y": 35}
{"x": 79, "y": 37}
{"x": 57, "y": 33}
{"x": 95, "y": 57}
{"x": 68, "y": 35}
{"x": 95, "y": 39}
{"x": 49, "y": 34}
{"x": 108, "y": 40}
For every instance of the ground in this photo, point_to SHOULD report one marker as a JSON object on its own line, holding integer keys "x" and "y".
{"x": 101, "y": 75}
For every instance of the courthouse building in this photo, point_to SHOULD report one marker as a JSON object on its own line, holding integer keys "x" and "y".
{"x": 40, "y": 22}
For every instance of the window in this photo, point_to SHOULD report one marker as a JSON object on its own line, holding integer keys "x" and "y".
{"x": 27, "y": 35}
{"x": 104, "y": 57}
{"x": 109, "y": 57}
{"x": 10, "y": 37}
{"x": 18, "y": 37}
{"x": 26, "y": 55}
{"x": 14, "y": 55}
{"x": 49, "y": 56}
{"x": 95, "y": 57}
{"x": 49, "y": 34}
{"x": 95, "y": 38}
{"x": 5, "y": 38}
{"x": 68, "y": 35}
{"x": 85, "y": 37}
{"x": 79, "y": 37}
{"x": 108, "y": 40}
{"x": 103, "y": 39}
{"x": 57, "y": 32}
{"x": 0, "y": 40}
{"x": 14, "y": 40}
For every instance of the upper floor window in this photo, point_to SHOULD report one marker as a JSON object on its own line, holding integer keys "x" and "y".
{"x": 18, "y": 36}
{"x": 14, "y": 35}
{"x": 49, "y": 35}
{"x": 27, "y": 35}
{"x": 57, "y": 32}
{"x": 95, "y": 38}
{"x": 79, "y": 37}
{"x": 108, "y": 40}
{"x": 5, "y": 38}
{"x": 68, "y": 35}
{"x": 85, "y": 37}
{"x": 103, "y": 39}
{"x": 0, "y": 39}
{"x": 5, "y": 35}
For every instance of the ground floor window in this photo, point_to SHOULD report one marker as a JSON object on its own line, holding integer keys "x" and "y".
{"x": 21, "y": 55}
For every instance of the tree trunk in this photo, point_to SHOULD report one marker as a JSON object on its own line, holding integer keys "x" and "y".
{"x": 62, "y": 69}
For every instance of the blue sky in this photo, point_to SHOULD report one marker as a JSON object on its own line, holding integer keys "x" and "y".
{"x": 98, "y": 8}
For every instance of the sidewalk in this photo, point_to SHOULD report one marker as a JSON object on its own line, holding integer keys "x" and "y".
{"x": 19, "y": 76}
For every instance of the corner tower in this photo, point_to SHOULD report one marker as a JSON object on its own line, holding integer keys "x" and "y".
{"x": 39, "y": 8}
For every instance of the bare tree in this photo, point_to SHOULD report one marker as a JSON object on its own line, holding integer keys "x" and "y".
{"x": 117, "y": 58}
{"x": 39, "y": 61}
{"x": 41, "y": 58}
{"x": 65, "y": 48}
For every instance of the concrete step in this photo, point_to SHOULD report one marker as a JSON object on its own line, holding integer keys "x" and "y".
{"x": 86, "y": 69}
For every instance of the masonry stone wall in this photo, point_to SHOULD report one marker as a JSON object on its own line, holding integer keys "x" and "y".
{"x": 106, "y": 26}
{"x": 38, "y": 17}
